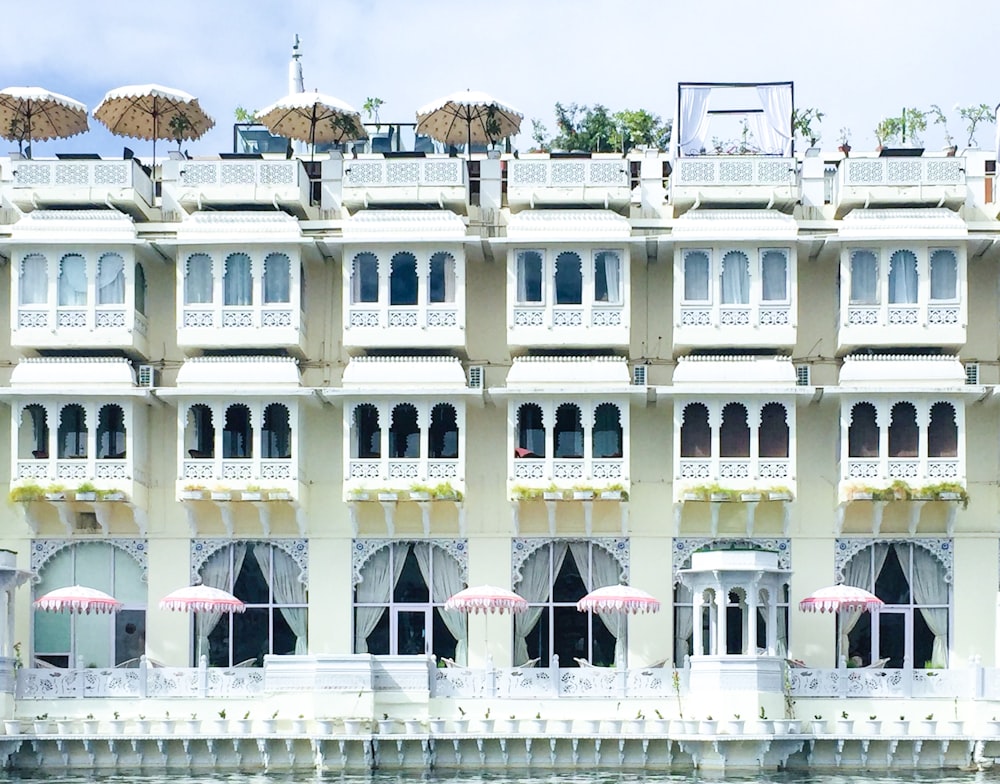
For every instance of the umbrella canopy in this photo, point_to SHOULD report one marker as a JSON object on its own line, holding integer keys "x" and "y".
{"x": 314, "y": 118}
{"x": 486, "y": 599}
{"x": 78, "y": 599}
{"x": 151, "y": 112}
{"x": 34, "y": 113}
{"x": 201, "y": 598}
{"x": 840, "y": 597}
{"x": 618, "y": 599}
{"x": 466, "y": 117}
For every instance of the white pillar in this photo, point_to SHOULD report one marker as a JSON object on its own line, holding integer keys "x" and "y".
{"x": 721, "y": 637}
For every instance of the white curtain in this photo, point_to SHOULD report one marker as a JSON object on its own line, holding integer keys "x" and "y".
{"x": 858, "y": 572}
{"x": 111, "y": 280}
{"x": 944, "y": 275}
{"x": 864, "y": 278}
{"x": 216, "y": 574}
{"x": 735, "y": 278}
{"x": 445, "y": 580}
{"x": 535, "y": 586}
{"x": 903, "y": 278}
{"x": 198, "y": 280}
{"x": 377, "y": 582}
{"x": 693, "y": 124}
{"x": 442, "y": 278}
{"x": 73, "y": 280}
{"x": 774, "y": 276}
{"x": 604, "y": 571}
{"x": 929, "y": 588}
{"x": 612, "y": 276}
{"x": 287, "y": 589}
{"x": 696, "y": 277}
{"x": 34, "y": 284}
{"x": 237, "y": 283}
{"x": 277, "y": 279}
{"x": 774, "y": 131}
{"x": 683, "y": 622}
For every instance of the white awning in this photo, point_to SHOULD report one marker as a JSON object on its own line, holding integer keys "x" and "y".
{"x": 735, "y": 371}
{"x": 568, "y": 375}
{"x": 73, "y": 377}
{"x": 710, "y": 225}
{"x": 935, "y": 223}
{"x": 569, "y": 225}
{"x": 213, "y": 227}
{"x": 870, "y": 373}
{"x": 237, "y": 377}
{"x": 439, "y": 225}
{"x": 76, "y": 227}
{"x": 402, "y": 377}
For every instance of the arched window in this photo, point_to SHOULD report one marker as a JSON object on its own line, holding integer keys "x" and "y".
{"x": 772, "y": 438}
{"x": 72, "y": 432}
{"x": 864, "y": 278}
{"x": 198, "y": 282}
{"x": 569, "y": 279}
{"x": 367, "y": 432}
{"x": 696, "y": 434}
{"x": 276, "y": 433}
{"x": 140, "y": 289}
{"x": 735, "y": 278}
{"x": 111, "y": 280}
{"x": 903, "y": 435}
{"x": 404, "y": 432}
{"x": 774, "y": 276}
{"x": 275, "y": 622}
{"x": 33, "y": 287}
{"x": 911, "y": 629}
{"x": 696, "y": 277}
{"x": 364, "y": 278}
{"x": 33, "y": 434}
{"x": 608, "y": 277}
{"x": 277, "y": 279}
{"x": 111, "y": 433}
{"x": 944, "y": 276}
{"x": 403, "y": 280}
{"x": 903, "y": 278}
{"x": 100, "y": 640}
{"x": 607, "y": 436}
{"x": 530, "y": 431}
{"x": 734, "y": 435}
{"x": 72, "y": 280}
{"x": 529, "y": 277}
{"x": 237, "y": 434}
{"x": 199, "y": 435}
{"x": 942, "y": 432}
{"x": 862, "y": 434}
{"x": 568, "y": 432}
{"x": 406, "y": 615}
{"x": 443, "y": 435}
{"x": 441, "y": 285}
{"x": 237, "y": 282}
{"x": 553, "y": 579}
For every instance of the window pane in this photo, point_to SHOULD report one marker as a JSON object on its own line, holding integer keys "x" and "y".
{"x": 238, "y": 281}
{"x": 944, "y": 275}
{"x": 903, "y": 278}
{"x": 864, "y": 278}
{"x": 111, "y": 280}
{"x": 442, "y": 278}
{"x": 34, "y": 288}
{"x": 607, "y": 277}
{"x": 198, "y": 280}
{"x": 72, "y": 280}
{"x": 364, "y": 285}
{"x": 403, "y": 280}
{"x": 569, "y": 279}
{"x": 735, "y": 278}
{"x": 774, "y": 276}
{"x": 696, "y": 277}
{"x": 277, "y": 278}
{"x": 529, "y": 277}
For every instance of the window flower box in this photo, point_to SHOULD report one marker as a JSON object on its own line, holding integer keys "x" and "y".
{"x": 358, "y": 495}
{"x": 779, "y": 495}
{"x": 388, "y": 496}
{"x": 192, "y": 494}
{"x": 86, "y": 496}
{"x": 112, "y": 496}
{"x": 55, "y": 495}
{"x": 279, "y": 495}
{"x": 222, "y": 495}
{"x": 552, "y": 495}
{"x": 750, "y": 497}
{"x": 251, "y": 495}
{"x": 717, "y": 498}
{"x": 611, "y": 495}
{"x": 419, "y": 495}
{"x": 583, "y": 495}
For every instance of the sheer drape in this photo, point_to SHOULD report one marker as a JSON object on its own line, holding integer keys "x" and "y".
{"x": 693, "y": 122}
{"x": 929, "y": 588}
{"x": 774, "y": 126}
{"x": 864, "y": 278}
{"x": 735, "y": 279}
{"x": 774, "y": 276}
{"x": 612, "y": 277}
{"x": 277, "y": 279}
{"x": 198, "y": 280}
{"x": 216, "y": 574}
{"x": 944, "y": 275}
{"x": 858, "y": 573}
{"x": 683, "y": 622}
{"x": 604, "y": 570}
{"x": 377, "y": 582}
{"x": 442, "y": 278}
{"x": 535, "y": 586}
{"x": 111, "y": 280}
{"x": 903, "y": 278}
{"x": 529, "y": 277}
{"x": 72, "y": 280}
{"x": 34, "y": 288}
{"x": 287, "y": 589}
{"x": 447, "y": 581}
{"x": 237, "y": 283}
{"x": 696, "y": 277}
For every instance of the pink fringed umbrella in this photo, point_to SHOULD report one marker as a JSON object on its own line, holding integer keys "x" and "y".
{"x": 618, "y": 599}
{"x": 840, "y": 597}
{"x": 201, "y": 598}
{"x": 78, "y": 599}
{"x": 486, "y": 599}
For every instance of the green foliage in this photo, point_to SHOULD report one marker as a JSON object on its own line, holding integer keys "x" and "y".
{"x": 371, "y": 107}
{"x": 538, "y": 134}
{"x": 244, "y": 115}
{"x": 973, "y": 115}
{"x": 179, "y": 124}
{"x": 596, "y": 129}
{"x": 86, "y": 487}
{"x": 29, "y": 491}
{"x": 906, "y": 126}
{"x": 802, "y": 120}
{"x": 940, "y": 119}
{"x": 347, "y": 127}
{"x": 634, "y": 127}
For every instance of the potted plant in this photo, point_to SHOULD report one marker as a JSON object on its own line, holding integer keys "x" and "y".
{"x": 844, "y": 140}
{"x": 42, "y": 725}
{"x": 615, "y": 492}
{"x": 533, "y": 726}
{"x": 560, "y": 726}
{"x": 763, "y": 725}
{"x": 252, "y": 493}
{"x": 221, "y": 494}
{"x": 192, "y": 492}
{"x": 358, "y": 494}
{"x": 992, "y": 729}
{"x": 899, "y": 726}
{"x": 949, "y": 491}
{"x": 279, "y": 494}
{"x": 660, "y": 725}
{"x": 179, "y": 124}
{"x": 66, "y": 726}
{"x": 818, "y": 725}
{"x": 587, "y": 726}
{"x": 244, "y": 726}
{"x": 583, "y": 493}
{"x": 443, "y": 491}
{"x": 354, "y": 726}
{"x": 299, "y": 725}
{"x": 904, "y": 130}
{"x": 192, "y": 725}
{"x": 91, "y": 726}
{"x": 484, "y": 724}
{"x": 167, "y": 724}
{"x": 552, "y": 493}
{"x": 11, "y": 727}
{"x": 270, "y": 726}
{"x": 386, "y": 726}
{"x": 525, "y": 493}
{"x": 733, "y": 726}
{"x": 708, "y": 726}
{"x": 220, "y": 725}
{"x": 55, "y": 492}
{"x": 506, "y": 726}
{"x": 111, "y": 495}
{"x": 143, "y": 726}
{"x": 419, "y": 492}
{"x": 750, "y": 496}
{"x": 940, "y": 119}
{"x": 926, "y": 726}
{"x": 413, "y": 726}
{"x": 871, "y": 725}
{"x": 802, "y": 120}
{"x": 845, "y": 724}
{"x": 87, "y": 491}
{"x": 437, "y": 726}
{"x": 29, "y": 491}
{"x": 635, "y": 726}
{"x": 779, "y": 493}
{"x": 974, "y": 115}
{"x": 388, "y": 495}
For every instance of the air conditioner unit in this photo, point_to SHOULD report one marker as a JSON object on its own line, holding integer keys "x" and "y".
{"x": 639, "y": 375}
{"x": 477, "y": 376}
{"x": 803, "y": 375}
{"x": 972, "y": 373}
{"x": 146, "y": 376}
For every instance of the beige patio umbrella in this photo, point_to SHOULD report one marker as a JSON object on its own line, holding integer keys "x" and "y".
{"x": 151, "y": 112}
{"x": 314, "y": 118}
{"x": 30, "y": 114}
{"x": 468, "y": 116}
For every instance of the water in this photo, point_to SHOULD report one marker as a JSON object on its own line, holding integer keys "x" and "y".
{"x": 861, "y": 777}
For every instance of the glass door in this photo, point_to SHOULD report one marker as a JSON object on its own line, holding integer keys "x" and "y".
{"x": 410, "y": 630}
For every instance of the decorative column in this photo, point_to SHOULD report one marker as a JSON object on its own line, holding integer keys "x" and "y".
{"x": 697, "y": 608}
{"x": 721, "y": 600}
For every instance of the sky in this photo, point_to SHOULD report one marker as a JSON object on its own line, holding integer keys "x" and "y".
{"x": 855, "y": 60}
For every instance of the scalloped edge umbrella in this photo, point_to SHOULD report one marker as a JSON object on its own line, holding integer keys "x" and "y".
{"x": 45, "y": 114}
{"x": 201, "y": 598}
{"x": 482, "y": 117}
{"x": 486, "y": 599}
{"x": 837, "y": 598}
{"x": 313, "y": 117}
{"x": 78, "y": 599}
{"x": 619, "y": 600}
